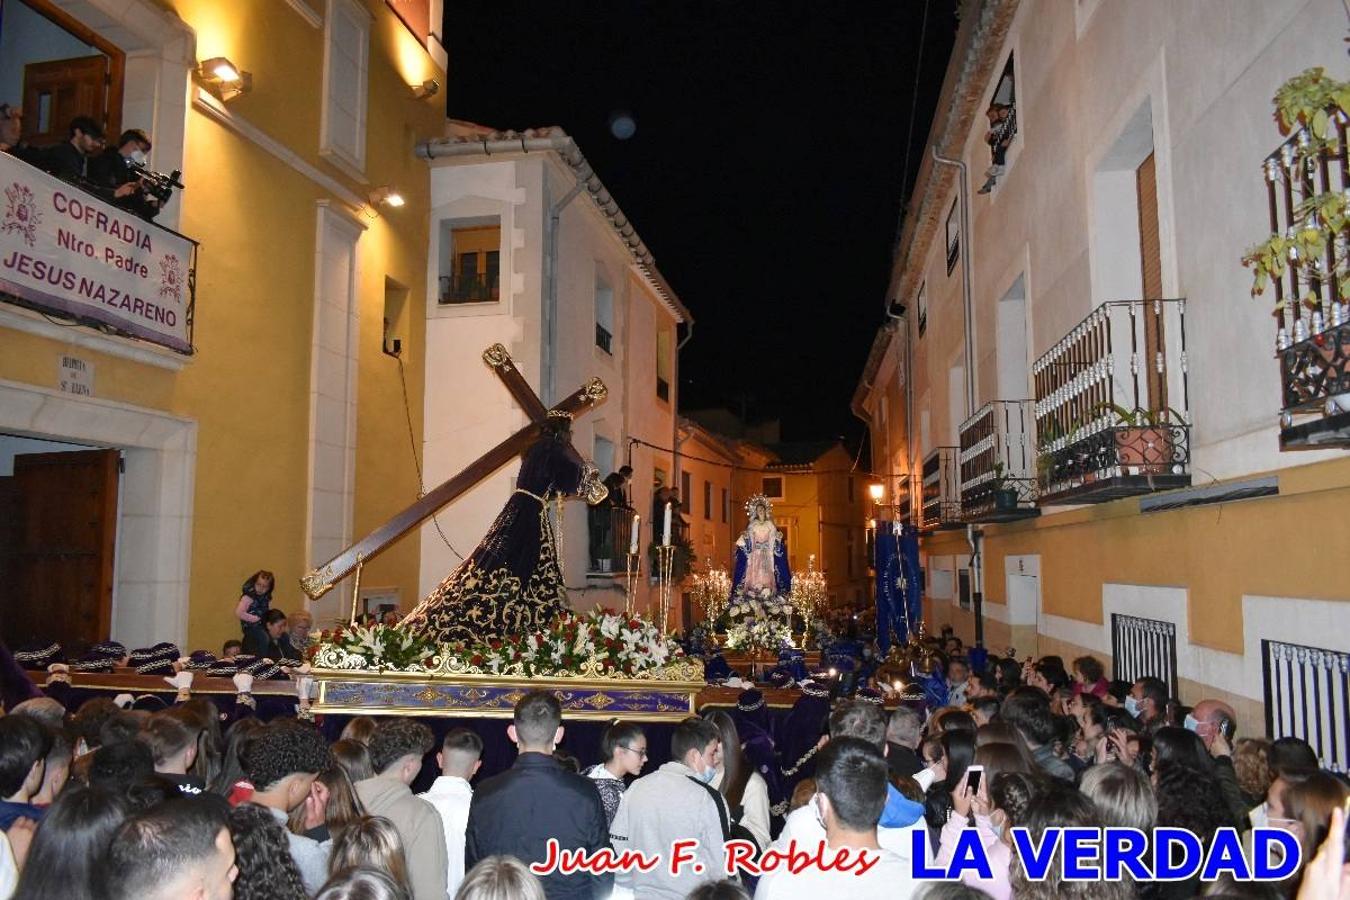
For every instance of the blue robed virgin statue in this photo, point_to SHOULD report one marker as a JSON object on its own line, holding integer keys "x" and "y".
{"x": 760, "y": 611}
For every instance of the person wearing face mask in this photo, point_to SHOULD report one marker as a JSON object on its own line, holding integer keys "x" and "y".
{"x": 1147, "y": 702}
{"x": 113, "y": 171}
{"x": 1215, "y": 723}
{"x": 676, "y": 803}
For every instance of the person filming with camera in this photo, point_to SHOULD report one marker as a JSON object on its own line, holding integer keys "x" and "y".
{"x": 122, "y": 170}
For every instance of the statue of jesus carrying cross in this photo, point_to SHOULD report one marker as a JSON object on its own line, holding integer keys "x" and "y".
{"x": 511, "y": 584}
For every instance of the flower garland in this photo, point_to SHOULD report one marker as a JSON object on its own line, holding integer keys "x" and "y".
{"x": 760, "y": 620}
{"x": 627, "y": 645}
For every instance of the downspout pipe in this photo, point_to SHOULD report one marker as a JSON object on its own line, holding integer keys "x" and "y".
{"x": 974, "y": 536}
{"x": 674, "y": 400}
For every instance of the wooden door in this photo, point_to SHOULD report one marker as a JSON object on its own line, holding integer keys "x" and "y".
{"x": 56, "y": 91}
{"x": 1150, "y": 265}
{"x": 67, "y": 528}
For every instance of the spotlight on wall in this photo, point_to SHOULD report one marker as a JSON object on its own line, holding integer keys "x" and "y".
{"x": 224, "y": 77}
{"x": 386, "y": 196}
{"x": 429, "y": 88}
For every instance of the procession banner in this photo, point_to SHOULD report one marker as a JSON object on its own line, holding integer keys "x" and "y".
{"x": 66, "y": 251}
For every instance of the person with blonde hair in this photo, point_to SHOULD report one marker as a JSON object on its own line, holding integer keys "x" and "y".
{"x": 500, "y": 878}
{"x": 371, "y": 842}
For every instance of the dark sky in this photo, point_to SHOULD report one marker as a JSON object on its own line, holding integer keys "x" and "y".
{"x": 765, "y": 174}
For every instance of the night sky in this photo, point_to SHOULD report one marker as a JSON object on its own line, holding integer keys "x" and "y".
{"x": 766, "y": 173}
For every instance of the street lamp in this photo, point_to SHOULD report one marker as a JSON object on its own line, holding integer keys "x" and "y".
{"x": 877, "y": 491}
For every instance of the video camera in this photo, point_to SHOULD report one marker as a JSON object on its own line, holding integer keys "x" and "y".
{"x": 156, "y": 184}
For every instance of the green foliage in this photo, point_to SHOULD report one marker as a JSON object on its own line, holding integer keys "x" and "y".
{"x": 1307, "y": 103}
{"x": 1140, "y": 417}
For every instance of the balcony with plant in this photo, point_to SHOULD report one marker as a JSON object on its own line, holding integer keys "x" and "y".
{"x": 1305, "y": 260}
{"x": 998, "y": 463}
{"x": 1111, "y": 409}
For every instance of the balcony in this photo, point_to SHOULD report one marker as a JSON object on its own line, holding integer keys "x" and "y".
{"x": 470, "y": 288}
{"x": 603, "y": 339}
{"x": 69, "y": 252}
{"x": 998, "y": 463}
{"x": 941, "y": 490}
{"x": 610, "y": 533}
{"x": 1111, "y": 408}
{"x": 1312, "y": 336}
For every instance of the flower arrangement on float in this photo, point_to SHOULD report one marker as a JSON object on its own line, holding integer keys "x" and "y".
{"x": 759, "y": 620}
{"x": 598, "y": 641}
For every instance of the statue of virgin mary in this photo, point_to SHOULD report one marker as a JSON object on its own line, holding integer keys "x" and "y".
{"x": 759, "y": 609}
{"x": 761, "y": 559}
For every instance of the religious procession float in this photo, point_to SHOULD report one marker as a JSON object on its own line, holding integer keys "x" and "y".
{"x": 500, "y": 623}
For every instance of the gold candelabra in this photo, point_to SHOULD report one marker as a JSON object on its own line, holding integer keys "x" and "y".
{"x": 665, "y": 567}
{"x": 808, "y": 594}
{"x": 712, "y": 592}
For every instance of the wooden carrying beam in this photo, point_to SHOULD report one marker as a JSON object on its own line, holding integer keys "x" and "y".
{"x": 322, "y": 579}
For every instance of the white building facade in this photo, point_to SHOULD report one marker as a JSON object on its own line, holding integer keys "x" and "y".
{"x": 1101, "y": 268}
{"x": 529, "y": 250}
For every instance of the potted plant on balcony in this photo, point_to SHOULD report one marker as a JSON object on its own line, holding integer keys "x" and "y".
{"x": 1314, "y": 244}
{"x": 1005, "y": 496}
{"x": 1145, "y": 438}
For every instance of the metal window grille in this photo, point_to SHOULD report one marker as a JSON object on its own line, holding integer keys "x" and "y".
{"x": 1307, "y": 692}
{"x": 1141, "y": 647}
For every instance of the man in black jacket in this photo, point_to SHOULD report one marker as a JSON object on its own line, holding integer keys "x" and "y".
{"x": 112, "y": 172}
{"x": 520, "y": 810}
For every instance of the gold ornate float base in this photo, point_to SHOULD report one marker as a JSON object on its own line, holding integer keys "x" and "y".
{"x": 360, "y": 692}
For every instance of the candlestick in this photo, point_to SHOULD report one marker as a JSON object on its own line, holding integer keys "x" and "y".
{"x": 665, "y": 533}
{"x": 637, "y": 531}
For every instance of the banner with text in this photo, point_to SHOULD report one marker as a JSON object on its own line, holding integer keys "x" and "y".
{"x": 65, "y": 250}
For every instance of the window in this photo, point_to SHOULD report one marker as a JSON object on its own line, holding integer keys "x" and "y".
{"x": 663, "y": 365}
{"x": 726, "y": 505}
{"x": 686, "y": 488}
{"x": 922, "y": 304}
{"x": 604, "y": 455}
{"x": 953, "y": 237}
{"x": 1001, "y": 121}
{"x": 346, "y": 56}
{"x": 707, "y": 500}
{"x": 772, "y": 487}
{"x": 604, "y": 314}
{"x": 470, "y": 261}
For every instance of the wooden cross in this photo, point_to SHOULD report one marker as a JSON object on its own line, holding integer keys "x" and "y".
{"x": 322, "y": 579}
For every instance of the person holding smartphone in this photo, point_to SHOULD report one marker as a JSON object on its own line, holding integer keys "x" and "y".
{"x": 970, "y": 802}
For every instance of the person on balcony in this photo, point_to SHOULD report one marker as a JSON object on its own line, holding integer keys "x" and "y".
{"x": 617, "y": 483}
{"x": 999, "y": 137}
{"x": 69, "y": 160}
{"x": 115, "y": 170}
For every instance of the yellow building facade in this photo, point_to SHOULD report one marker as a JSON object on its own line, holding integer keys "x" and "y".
{"x": 286, "y": 432}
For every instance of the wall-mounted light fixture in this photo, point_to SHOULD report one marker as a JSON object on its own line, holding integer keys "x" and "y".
{"x": 877, "y": 491}
{"x": 386, "y": 196}
{"x": 429, "y": 88}
{"x": 224, "y": 77}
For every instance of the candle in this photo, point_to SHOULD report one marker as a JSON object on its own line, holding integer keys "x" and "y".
{"x": 665, "y": 533}
{"x": 637, "y": 529}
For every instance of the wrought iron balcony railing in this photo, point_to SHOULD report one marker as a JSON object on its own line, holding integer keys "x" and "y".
{"x": 603, "y": 339}
{"x": 610, "y": 535}
{"x": 1112, "y": 407}
{"x": 998, "y": 462}
{"x": 1312, "y": 339}
{"x": 941, "y": 489}
{"x": 470, "y": 288}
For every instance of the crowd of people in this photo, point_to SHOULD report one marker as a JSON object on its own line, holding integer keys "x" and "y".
{"x": 204, "y": 801}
